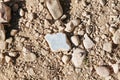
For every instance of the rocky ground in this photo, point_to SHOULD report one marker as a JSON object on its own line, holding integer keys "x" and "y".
{"x": 59, "y": 40}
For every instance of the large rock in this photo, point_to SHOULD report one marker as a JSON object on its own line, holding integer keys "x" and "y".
{"x": 57, "y": 42}
{"x": 54, "y": 8}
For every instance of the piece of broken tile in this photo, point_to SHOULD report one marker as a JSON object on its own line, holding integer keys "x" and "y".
{"x": 58, "y": 42}
{"x": 88, "y": 43}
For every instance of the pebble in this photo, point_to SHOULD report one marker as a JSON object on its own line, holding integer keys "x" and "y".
{"x": 3, "y": 45}
{"x": 31, "y": 16}
{"x": 112, "y": 30}
{"x": 69, "y": 27}
{"x": 75, "y": 40}
{"x": 29, "y": 57}
{"x": 9, "y": 40}
{"x": 54, "y": 8}
{"x": 57, "y": 41}
{"x": 13, "y": 32}
{"x": 5, "y": 13}
{"x": 87, "y": 42}
{"x": 78, "y": 56}
{"x": 75, "y": 22}
{"x": 21, "y": 12}
{"x": 1, "y": 57}
{"x": 13, "y": 54}
{"x": 118, "y": 75}
{"x": 7, "y": 0}
{"x": 116, "y": 37}
{"x": 7, "y": 59}
{"x": 102, "y": 2}
{"x": 107, "y": 47}
{"x": 30, "y": 72}
{"x": 65, "y": 59}
{"x": 102, "y": 71}
{"x": 2, "y": 33}
{"x": 115, "y": 67}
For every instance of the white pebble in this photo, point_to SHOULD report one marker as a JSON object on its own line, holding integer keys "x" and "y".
{"x": 102, "y": 2}
{"x": 2, "y": 33}
{"x": 54, "y": 8}
{"x": 88, "y": 43}
{"x": 21, "y": 12}
{"x": 13, "y": 32}
{"x": 107, "y": 47}
{"x": 65, "y": 59}
{"x": 75, "y": 22}
{"x": 13, "y": 54}
{"x": 115, "y": 67}
{"x": 116, "y": 37}
{"x": 30, "y": 72}
{"x": 69, "y": 27}
{"x": 5, "y": 13}
{"x": 102, "y": 71}
{"x": 118, "y": 75}
{"x": 9, "y": 40}
{"x": 7, "y": 59}
{"x": 78, "y": 56}
{"x": 75, "y": 40}
{"x": 3, "y": 45}
{"x": 29, "y": 57}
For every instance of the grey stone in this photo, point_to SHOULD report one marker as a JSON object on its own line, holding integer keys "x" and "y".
{"x": 57, "y": 42}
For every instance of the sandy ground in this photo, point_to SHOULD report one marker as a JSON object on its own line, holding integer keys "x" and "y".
{"x": 36, "y": 61}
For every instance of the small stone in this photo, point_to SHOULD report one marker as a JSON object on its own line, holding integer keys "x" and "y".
{"x": 1, "y": 57}
{"x": 115, "y": 67}
{"x": 7, "y": 59}
{"x": 21, "y": 12}
{"x": 3, "y": 45}
{"x": 102, "y": 71}
{"x": 31, "y": 16}
{"x": 88, "y": 43}
{"x": 116, "y": 37}
{"x": 75, "y": 22}
{"x": 29, "y": 57}
{"x": 57, "y": 42}
{"x": 75, "y": 40}
{"x": 63, "y": 17}
{"x": 30, "y": 72}
{"x": 9, "y": 40}
{"x": 54, "y": 8}
{"x": 107, "y": 47}
{"x": 2, "y": 33}
{"x": 65, "y": 59}
{"x": 13, "y": 54}
{"x": 118, "y": 75}
{"x": 46, "y": 23}
{"x": 112, "y": 30}
{"x": 5, "y": 13}
{"x": 7, "y": 0}
{"x": 69, "y": 27}
{"x": 13, "y": 32}
{"x": 102, "y": 2}
{"x": 78, "y": 56}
